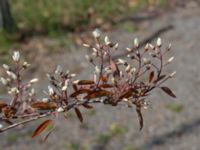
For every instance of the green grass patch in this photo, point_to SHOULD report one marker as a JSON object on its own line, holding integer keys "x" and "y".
{"x": 175, "y": 107}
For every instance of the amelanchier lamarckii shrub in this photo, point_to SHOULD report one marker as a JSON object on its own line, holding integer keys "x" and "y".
{"x": 114, "y": 82}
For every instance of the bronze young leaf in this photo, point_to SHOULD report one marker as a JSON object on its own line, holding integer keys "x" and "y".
{"x": 97, "y": 94}
{"x": 44, "y": 106}
{"x": 151, "y": 76}
{"x": 78, "y": 113}
{"x": 41, "y": 128}
{"x": 85, "y": 82}
{"x": 168, "y": 91}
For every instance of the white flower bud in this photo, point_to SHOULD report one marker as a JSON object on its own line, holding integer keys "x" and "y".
{"x": 159, "y": 42}
{"x": 86, "y": 45}
{"x": 146, "y": 46}
{"x": 121, "y": 61}
{"x": 169, "y": 46}
{"x": 34, "y": 80}
{"x": 58, "y": 69}
{"x": 116, "y": 46}
{"x": 151, "y": 46}
{"x": 11, "y": 74}
{"x": 136, "y": 42}
{"x": 26, "y": 64}
{"x": 107, "y": 41}
{"x": 4, "y": 81}
{"x": 172, "y": 74}
{"x": 170, "y": 59}
{"x": 16, "y": 56}
{"x": 32, "y": 92}
{"x": 13, "y": 90}
{"x": 128, "y": 49}
{"x": 95, "y": 78}
{"x": 60, "y": 109}
{"x": 64, "y": 88}
{"x": 94, "y": 49}
{"x": 108, "y": 70}
{"x": 97, "y": 70}
{"x": 128, "y": 68}
{"x": 72, "y": 75}
{"x": 1, "y": 126}
{"x": 96, "y": 33}
{"x": 76, "y": 81}
{"x": 6, "y": 67}
{"x": 133, "y": 70}
{"x": 125, "y": 99}
{"x": 45, "y": 100}
{"x": 146, "y": 61}
{"x": 51, "y": 91}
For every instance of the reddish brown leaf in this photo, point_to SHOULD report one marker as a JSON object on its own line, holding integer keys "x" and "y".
{"x": 106, "y": 86}
{"x": 78, "y": 113}
{"x": 2, "y": 105}
{"x": 97, "y": 94}
{"x": 44, "y": 106}
{"x": 151, "y": 76}
{"x": 75, "y": 87}
{"x": 87, "y": 106}
{"x": 126, "y": 95}
{"x": 85, "y": 82}
{"x": 8, "y": 111}
{"x": 140, "y": 117}
{"x": 168, "y": 91}
{"x": 41, "y": 128}
{"x": 104, "y": 79}
{"x": 78, "y": 92}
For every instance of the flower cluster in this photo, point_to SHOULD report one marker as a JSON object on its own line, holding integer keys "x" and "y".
{"x": 126, "y": 81}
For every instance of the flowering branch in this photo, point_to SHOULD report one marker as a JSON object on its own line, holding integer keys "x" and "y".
{"x": 128, "y": 82}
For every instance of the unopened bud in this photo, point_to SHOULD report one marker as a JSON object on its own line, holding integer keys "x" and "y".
{"x": 159, "y": 42}
{"x": 58, "y": 69}
{"x": 170, "y": 59}
{"x": 128, "y": 68}
{"x": 45, "y": 100}
{"x": 86, "y": 45}
{"x": 97, "y": 70}
{"x": 3, "y": 81}
{"x": 51, "y": 91}
{"x": 169, "y": 47}
{"x": 116, "y": 46}
{"x": 1, "y": 126}
{"x": 72, "y": 75}
{"x": 146, "y": 61}
{"x": 96, "y": 33}
{"x": 121, "y": 61}
{"x": 26, "y": 64}
{"x": 128, "y": 49}
{"x": 12, "y": 75}
{"x": 136, "y": 42}
{"x": 146, "y": 48}
{"x": 6, "y": 67}
{"x": 16, "y": 56}
{"x": 34, "y": 80}
{"x": 172, "y": 74}
{"x": 60, "y": 109}
{"x": 107, "y": 40}
{"x": 76, "y": 81}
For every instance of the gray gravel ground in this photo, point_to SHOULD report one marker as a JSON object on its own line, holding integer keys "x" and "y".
{"x": 110, "y": 128}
